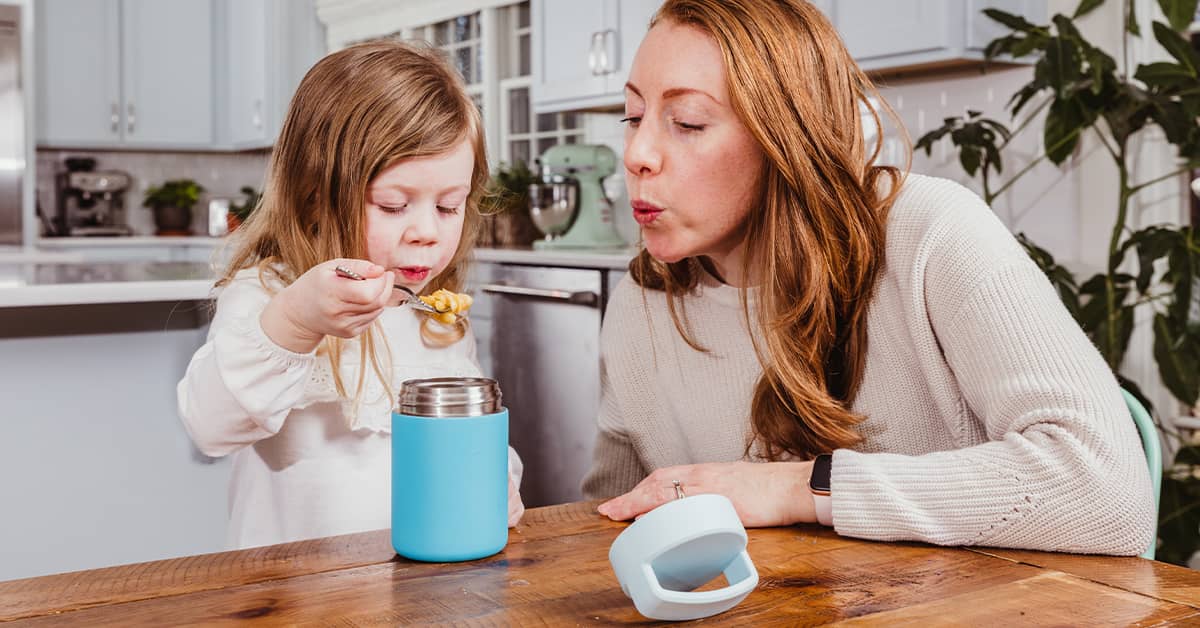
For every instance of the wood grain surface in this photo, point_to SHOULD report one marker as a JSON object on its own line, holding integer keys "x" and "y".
{"x": 555, "y": 571}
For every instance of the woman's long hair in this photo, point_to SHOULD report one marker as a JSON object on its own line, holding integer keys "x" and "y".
{"x": 357, "y": 112}
{"x": 819, "y": 223}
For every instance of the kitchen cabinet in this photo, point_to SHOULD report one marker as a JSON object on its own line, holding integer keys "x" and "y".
{"x": 582, "y": 51}
{"x": 267, "y": 47}
{"x": 916, "y": 34}
{"x": 125, "y": 73}
{"x": 170, "y": 74}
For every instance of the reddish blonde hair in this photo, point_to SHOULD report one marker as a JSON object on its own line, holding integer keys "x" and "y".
{"x": 820, "y": 219}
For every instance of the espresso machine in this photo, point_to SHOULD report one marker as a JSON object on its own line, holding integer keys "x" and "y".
{"x": 91, "y": 202}
{"x": 568, "y": 203}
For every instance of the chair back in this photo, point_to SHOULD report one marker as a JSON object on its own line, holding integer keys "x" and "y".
{"x": 1153, "y": 448}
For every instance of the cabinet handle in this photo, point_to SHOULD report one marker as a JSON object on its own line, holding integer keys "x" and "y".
{"x": 256, "y": 119}
{"x": 582, "y": 297}
{"x": 605, "y": 66}
{"x": 594, "y": 52}
{"x": 130, "y": 118}
{"x": 115, "y": 117}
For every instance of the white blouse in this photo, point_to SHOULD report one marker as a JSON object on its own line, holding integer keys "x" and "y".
{"x": 306, "y": 462}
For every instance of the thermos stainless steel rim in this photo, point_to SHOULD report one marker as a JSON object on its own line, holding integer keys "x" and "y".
{"x": 449, "y": 397}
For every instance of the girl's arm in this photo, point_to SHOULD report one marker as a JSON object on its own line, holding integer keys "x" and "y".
{"x": 240, "y": 385}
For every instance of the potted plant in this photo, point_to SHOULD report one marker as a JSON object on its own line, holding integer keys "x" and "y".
{"x": 172, "y": 203}
{"x": 240, "y": 212}
{"x": 505, "y": 207}
{"x": 1081, "y": 89}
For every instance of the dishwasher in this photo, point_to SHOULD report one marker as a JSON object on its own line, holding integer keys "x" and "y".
{"x": 545, "y": 353}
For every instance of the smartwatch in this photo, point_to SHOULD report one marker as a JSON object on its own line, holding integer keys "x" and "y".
{"x": 818, "y": 483}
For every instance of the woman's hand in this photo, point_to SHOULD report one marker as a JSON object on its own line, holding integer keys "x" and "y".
{"x": 763, "y": 493}
{"x": 516, "y": 508}
{"x": 320, "y": 303}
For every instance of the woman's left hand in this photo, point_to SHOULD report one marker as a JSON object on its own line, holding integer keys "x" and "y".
{"x": 763, "y": 493}
{"x": 516, "y": 508}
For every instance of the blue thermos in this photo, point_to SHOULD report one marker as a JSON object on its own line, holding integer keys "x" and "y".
{"x": 449, "y": 470}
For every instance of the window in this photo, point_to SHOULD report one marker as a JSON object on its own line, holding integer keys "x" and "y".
{"x": 491, "y": 49}
{"x": 525, "y": 135}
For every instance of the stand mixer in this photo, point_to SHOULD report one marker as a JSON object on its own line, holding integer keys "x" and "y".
{"x": 568, "y": 204}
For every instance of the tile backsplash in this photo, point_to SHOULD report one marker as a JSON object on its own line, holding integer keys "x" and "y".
{"x": 221, "y": 174}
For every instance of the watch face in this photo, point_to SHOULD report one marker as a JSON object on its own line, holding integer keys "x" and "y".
{"x": 819, "y": 482}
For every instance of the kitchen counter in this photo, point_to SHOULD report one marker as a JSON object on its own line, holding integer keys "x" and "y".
{"x": 555, "y": 571}
{"x": 119, "y": 241}
{"x": 35, "y": 285}
{"x": 617, "y": 259}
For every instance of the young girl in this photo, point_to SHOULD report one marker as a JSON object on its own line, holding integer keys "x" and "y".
{"x": 378, "y": 169}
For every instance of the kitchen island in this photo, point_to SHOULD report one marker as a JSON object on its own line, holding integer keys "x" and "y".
{"x": 555, "y": 571}
{"x": 98, "y": 468}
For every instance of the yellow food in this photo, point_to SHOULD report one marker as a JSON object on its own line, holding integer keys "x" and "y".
{"x": 450, "y": 305}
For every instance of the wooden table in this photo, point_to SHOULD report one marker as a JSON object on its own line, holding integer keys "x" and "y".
{"x": 555, "y": 571}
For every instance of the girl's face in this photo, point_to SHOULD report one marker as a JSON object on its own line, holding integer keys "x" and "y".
{"x": 692, "y": 167}
{"x": 415, "y": 213}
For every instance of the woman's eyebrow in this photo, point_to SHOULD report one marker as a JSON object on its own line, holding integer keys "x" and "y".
{"x": 675, "y": 92}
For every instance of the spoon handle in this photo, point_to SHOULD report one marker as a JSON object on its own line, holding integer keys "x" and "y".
{"x": 411, "y": 300}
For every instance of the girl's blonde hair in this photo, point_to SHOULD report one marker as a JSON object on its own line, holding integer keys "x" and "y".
{"x": 819, "y": 222}
{"x": 357, "y": 112}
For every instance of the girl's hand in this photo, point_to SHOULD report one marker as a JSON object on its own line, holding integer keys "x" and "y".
{"x": 763, "y": 493}
{"x": 516, "y": 508}
{"x": 320, "y": 303}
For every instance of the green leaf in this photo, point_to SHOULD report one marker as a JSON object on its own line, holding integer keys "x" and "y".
{"x": 1015, "y": 22}
{"x": 1165, "y": 75}
{"x": 1177, "y": 47}
{"x": 1086, "y": 6}
{"x": 1132, "y": 24}
{"x": 1065, "y": 121}
{"x": 1178, "y": 357}
{"x": 1179, "y": 12}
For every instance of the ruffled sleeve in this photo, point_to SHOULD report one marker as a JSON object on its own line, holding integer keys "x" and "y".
{"x": 240, "y": 385}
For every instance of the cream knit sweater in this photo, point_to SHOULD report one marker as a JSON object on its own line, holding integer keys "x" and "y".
{"x": 991, "y": 420}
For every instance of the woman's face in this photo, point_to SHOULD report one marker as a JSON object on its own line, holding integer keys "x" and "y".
{"x": 693, "y": 169}
{"x": 415, "y": 213}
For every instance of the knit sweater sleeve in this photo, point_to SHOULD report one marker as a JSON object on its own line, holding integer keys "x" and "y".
{"x": 1062, "y": 467}
{"x": 240, "y": 386}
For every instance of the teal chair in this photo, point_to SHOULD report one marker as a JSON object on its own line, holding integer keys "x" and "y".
{"x": 1153, "y": 449}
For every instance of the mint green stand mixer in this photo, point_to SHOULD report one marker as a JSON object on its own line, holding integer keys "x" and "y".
{"x": 568, "y": 203}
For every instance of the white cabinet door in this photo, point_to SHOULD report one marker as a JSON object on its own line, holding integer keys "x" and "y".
{"x": 582, "y": 51}
{"x": 246, "y": 27}
{"x": 873, "y": 29}
{"x": 633, "y": 20}
{"x": 567, "y": 44}
{"x": 168, "y": 72}
{"x": 78, "y": 65}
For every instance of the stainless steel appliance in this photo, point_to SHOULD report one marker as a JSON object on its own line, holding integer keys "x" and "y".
{"x": 545, "y": 352}
{"x": 14, "y": 142}
{"x": 91, "y": 203}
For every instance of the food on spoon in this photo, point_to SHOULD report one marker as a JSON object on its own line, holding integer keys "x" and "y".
{"x": 450, "y": 305}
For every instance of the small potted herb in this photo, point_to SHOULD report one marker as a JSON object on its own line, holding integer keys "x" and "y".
{"x": 172, "y": 203}
{"x": 240, "y": 212}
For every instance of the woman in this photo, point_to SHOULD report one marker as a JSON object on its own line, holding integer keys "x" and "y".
{"x": 794, "y": 299}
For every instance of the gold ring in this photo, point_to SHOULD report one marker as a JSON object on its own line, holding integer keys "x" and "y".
{"x": 678, "y": 489}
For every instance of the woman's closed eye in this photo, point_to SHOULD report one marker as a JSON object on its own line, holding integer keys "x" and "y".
{"x": 686, "y": 126}
{"x": 632, "y": 121}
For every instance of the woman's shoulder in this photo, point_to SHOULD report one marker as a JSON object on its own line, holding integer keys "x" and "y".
{"x": 935, "y": 216}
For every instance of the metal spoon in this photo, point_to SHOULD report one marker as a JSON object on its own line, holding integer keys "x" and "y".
{"x": 411, "y": 299}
